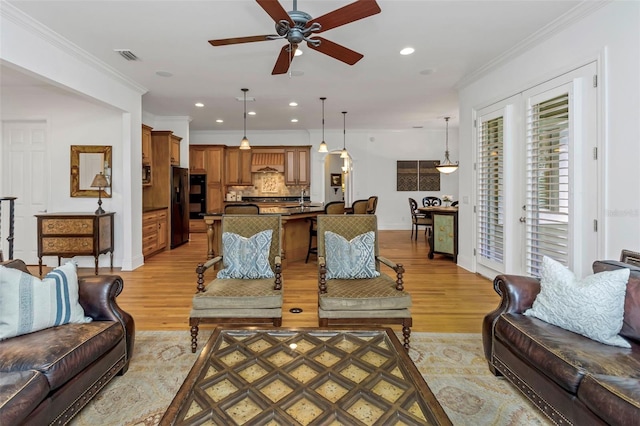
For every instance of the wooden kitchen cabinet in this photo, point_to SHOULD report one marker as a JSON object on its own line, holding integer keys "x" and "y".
{"x": 146, "y": 145}
{"x": 154, "y": 232}
{"x": 175, "y": 150}
{"x": 197, "y": 159}
{"x": 238, "y": 166}
{"x": 214, "y": 163}
{"x": 296, "y": 165}
{"x": 66, "y": 235}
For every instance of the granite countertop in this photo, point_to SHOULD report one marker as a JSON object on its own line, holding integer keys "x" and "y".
{"x": 263, "y": 199}
{"x": 150, "y": 209}
{"x": 284, "y": 211}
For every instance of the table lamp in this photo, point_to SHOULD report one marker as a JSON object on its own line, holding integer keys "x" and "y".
{"x": 100, "y": 181}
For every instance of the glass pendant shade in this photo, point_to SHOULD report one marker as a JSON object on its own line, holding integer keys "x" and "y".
{"x": 323, "y": 144}
{"x": 344, "y": 153}
{"x": 244, "y": 143}
{"x": 447, "y": 166}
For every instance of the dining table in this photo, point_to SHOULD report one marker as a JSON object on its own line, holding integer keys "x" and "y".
{"x": 444, "y": 237}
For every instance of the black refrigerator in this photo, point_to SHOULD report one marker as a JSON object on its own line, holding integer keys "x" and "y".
{"x": 179, "y": 206}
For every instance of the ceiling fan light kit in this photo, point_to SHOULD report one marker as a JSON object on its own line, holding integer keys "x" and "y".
{"x": 447, "y": 166}
{"x": 244, "y": 143}
{"x": 297, "y": 26}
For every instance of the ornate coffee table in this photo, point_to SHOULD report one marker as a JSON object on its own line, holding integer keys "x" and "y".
{"x": 276, "y": 376}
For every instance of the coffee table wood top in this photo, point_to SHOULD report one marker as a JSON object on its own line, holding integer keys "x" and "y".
{"x": 304, "y": 376}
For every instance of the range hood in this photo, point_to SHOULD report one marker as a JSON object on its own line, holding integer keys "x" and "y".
{"x": 266, "y": 161}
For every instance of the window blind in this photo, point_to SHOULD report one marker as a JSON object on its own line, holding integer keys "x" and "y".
{"x": 490, "y": 206}
{"x": 548, "y": 207}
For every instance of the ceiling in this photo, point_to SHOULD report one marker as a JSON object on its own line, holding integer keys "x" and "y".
{"x": 452, "y": 40}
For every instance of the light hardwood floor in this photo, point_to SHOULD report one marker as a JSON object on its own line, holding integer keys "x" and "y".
{"x": 446, "y": 298}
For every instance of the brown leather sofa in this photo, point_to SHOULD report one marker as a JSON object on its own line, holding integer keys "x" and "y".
{"x": 48, "y": 376}
{"x": 571, "y": 378}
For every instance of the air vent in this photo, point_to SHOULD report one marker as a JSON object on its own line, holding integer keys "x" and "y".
{"x": 127, "y": 54}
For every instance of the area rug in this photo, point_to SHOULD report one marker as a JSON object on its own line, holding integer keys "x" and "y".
{"x": 453, "y": 366}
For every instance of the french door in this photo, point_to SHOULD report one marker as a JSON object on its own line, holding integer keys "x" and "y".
{"x": 537, "y": 178}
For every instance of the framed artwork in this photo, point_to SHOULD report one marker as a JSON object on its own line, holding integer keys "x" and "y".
{"x": 417, "y": 175}
{"x": 336, "y": 179}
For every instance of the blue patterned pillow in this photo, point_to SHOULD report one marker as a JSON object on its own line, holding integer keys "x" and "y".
{"x": 246, "y": 258}
{"x": 28, "y": 304}
{"x": 350, "y": 259}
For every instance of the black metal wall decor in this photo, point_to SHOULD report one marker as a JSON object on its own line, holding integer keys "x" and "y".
{"x": 417, "y": 175}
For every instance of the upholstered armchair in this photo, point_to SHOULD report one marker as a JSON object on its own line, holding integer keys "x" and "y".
{"x": 248, "y": 290}
{"x": 351, "y": 287}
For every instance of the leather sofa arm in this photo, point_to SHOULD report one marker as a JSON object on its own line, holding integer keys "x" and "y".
{"x": 97, "y": 296}
{"x": 517, "y": 295}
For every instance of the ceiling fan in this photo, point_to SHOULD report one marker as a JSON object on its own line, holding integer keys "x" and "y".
{"x": 297, "y": 26}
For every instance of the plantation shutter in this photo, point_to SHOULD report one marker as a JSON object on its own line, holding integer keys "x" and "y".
{"x": 490, "y": 205}
{"x": 547, "y": 202}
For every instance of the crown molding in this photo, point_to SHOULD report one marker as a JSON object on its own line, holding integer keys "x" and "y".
{"x": 583, "y": 9}
{"x": 18, "y": 17}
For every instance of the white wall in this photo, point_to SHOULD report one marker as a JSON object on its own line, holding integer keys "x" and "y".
{"x": 31, "y": 48}
{"x": 374, "y": 155}
{"x": 611, "y": 36}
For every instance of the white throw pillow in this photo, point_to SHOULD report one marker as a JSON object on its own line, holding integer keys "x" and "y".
{"x": 246, "y": 258}
{"x": 593, "y": 306}
{"x": 28, "y": 304}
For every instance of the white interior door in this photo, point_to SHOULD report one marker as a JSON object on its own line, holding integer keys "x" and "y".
{"x": 24, "y": 175}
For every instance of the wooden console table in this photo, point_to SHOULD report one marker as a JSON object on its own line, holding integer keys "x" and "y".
{"x": 75, "y": 234}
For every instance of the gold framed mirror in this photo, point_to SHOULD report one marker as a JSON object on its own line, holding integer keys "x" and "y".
{"x": 86, "y": 162}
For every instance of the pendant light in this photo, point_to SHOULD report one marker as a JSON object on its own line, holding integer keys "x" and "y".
{"x": 323, "y": 144}
{"x": 447, "y": 166}
{"x": 244, "y": 143}
{"x": 344, "y": 153}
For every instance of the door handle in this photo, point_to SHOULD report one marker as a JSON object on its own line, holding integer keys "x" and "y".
{"x": 523, "y": 219}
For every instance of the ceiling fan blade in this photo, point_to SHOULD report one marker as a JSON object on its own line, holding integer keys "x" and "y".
{"x": 275, "y": 10}
{"x": 287, "y": 53}
{"x": 238, "y": 40}
{"x": 352, "y": 12}
{"x": 336, "y": 51}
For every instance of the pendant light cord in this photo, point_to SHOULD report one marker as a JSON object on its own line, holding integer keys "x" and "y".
{"x": 344, "y": 130}
{"x": 245, "y": 112}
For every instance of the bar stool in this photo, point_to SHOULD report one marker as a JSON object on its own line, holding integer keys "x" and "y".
{"x": 334, "y": 207}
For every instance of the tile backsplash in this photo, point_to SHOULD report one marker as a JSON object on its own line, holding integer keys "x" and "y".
{"x": 268, "y": 185}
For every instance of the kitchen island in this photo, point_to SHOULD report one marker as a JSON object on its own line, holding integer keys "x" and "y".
{"x": 295, "y": 230}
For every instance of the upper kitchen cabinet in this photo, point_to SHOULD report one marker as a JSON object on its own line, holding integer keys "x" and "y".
{"x": 197, "y": 159}
{"x": 175, "y": 150}
{"x": 214, "y": 164}
{"x": 146, "y": 144}
{"x": 296, "y": 165}
{"x": 238, "y": 171}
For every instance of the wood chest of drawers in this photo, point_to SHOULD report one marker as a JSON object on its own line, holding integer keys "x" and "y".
{"x": 75, "y": 234}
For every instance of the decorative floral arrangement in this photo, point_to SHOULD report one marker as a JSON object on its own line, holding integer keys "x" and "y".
{"x": 447, "y": 198}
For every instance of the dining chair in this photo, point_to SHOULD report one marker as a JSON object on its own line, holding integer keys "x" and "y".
{"x": 351, "y": 287}
{"x": 372, "y": 204}
{"x": 246, "y": 208}
{"x": 418, "y": 219}
{"x": 359, "y": 207}
{"x": 431, "y": 201}
{"x": 248, "y": 289}
{"x": 334, "y": 207}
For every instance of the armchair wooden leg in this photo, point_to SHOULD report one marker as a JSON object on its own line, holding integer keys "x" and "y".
{"x": 194, "y": 335}
{"x": 406, "y": 334}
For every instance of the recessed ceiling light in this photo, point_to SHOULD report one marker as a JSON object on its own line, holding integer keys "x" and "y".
{"x": 199, "y": 104}
{"x": 219, "y": 121}
{"x": 251, "y": 113}
{"x": 298, "y": 52}
{"x": 428, "y": 71}
{"x": 164, "y": 74}
{"x": 407, "y": 51}
{"x": 294, "y": 120}
{"x": 293, "y": 104}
